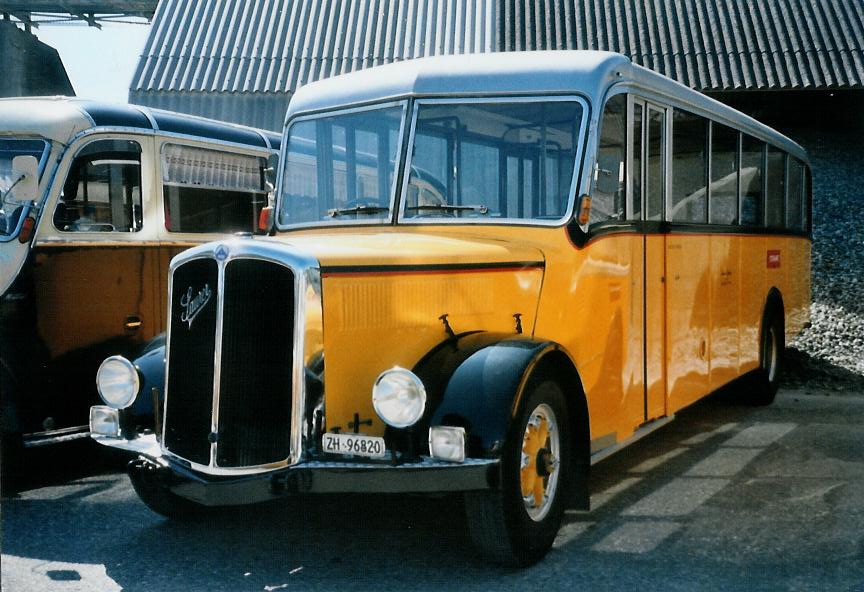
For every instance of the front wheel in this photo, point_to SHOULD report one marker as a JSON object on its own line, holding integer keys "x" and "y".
{"x": 160, "y": 499}
{"x": 516, "y": 524}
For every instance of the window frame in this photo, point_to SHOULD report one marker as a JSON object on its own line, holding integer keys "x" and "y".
{"x": 159, "y": 178}
{"x": 647, "y": 105}
{"x": 348, "y": 110}
{"x": 579, "y": 152}
{"x": 670, "y": 172}
{"x": 40, "y": 168}
{"x": 626, "y": 163}
{"x": 88, "y": 140}
{"x": 737, "y": 132}
{"x": 784, "y": 161}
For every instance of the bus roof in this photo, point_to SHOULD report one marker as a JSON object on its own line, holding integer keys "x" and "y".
{"x": 588, "y": 73}
{"x": 63, "y": 118}
{"x": 515, "y": 73}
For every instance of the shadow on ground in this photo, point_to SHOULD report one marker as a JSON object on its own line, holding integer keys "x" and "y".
{"x": 802, "y": 370}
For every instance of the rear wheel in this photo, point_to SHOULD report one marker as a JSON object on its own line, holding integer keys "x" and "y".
{"x": 772, "y": 345}
{"x": 517, "y": 524}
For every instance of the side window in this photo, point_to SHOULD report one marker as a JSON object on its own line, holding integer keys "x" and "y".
{"x": 689, "y": 168}
{"x": 648, "y": 162}
{"x": 752, "y": 164}
{"x": 724, "y": 175}
{"x": 655, "y": 169}
{"x": 776, "y": 188}
{"x": 795, "y": 195}
{"x": 102, "y": 191}
{"x": 635, "y": 210}
{"x": 211, "y": 190}
{"x": 607, "y": 196}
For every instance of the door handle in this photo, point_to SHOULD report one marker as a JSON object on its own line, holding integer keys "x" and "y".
{"x": 133, "y": 323}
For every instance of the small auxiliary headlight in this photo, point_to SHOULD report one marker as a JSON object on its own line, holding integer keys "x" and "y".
{"x": 117, "y": 382}
{"x": 399, "y": 397}
{"x": 104, "y": 421}
{"x": 447, "y": 443}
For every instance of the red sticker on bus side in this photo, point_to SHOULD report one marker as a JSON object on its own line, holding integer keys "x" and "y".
{"x": 773, "y": 259}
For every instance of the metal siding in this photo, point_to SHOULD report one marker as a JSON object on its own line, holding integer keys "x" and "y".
{"x": 278, "y": 45}
{"x": 239, "y": 51}
{"x": 711, "y": 45}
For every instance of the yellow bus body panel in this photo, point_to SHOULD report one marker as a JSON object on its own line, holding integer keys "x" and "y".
{"x": 699, "y": 308}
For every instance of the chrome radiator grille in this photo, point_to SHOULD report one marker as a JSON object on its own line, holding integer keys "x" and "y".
{"x": 255, "y": 383}
{"x": 194, "y": 297}
{"x": 230, "y": 363}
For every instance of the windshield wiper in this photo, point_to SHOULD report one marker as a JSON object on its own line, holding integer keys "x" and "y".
{"x": 358, "y": 209}
{"x": 449, "y": 208}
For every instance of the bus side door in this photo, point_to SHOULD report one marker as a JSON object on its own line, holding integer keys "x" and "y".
{"x": 647, "y": 192}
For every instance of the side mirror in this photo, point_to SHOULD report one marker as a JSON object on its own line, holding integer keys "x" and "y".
{"x": 270, "y": 172}
{"x": 607, "y": 174}
{"x": 25, "y": 171}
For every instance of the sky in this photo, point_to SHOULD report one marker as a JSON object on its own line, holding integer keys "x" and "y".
{"x": 100, "y": 63}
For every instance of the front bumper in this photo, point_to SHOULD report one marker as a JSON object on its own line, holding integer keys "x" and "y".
{"x": 311, "y": 476}
{"x": 426, "y": 476}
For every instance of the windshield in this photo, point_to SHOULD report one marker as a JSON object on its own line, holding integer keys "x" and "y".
{"x": 10, "y": 208}
{"x": 341, "y": 168}
{"x": 493, "y": 160}
{"x": 485, "y": 160}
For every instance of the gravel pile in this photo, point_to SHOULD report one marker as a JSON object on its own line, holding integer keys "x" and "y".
{"x": 831, "y": 351}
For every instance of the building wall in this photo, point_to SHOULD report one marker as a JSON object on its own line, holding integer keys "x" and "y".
{"x": 30, "y": 68}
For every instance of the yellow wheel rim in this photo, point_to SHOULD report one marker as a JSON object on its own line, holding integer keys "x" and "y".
{"x": 538, "y": 470}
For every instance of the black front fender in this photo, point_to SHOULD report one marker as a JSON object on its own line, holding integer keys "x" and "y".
{"x": 150, "y": 363}
{"x": 475, "y": 381}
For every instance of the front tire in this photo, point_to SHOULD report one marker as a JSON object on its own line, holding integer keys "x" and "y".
{"x": 517, "y": 523}
{"x": 156, "y": 496}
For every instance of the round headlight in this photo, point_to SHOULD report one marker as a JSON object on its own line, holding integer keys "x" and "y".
{"x": 117, "y": 381}
{"x": 399, "y": 397}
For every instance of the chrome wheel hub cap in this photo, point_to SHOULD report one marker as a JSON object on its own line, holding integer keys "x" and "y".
{"x": 538, "y": 472}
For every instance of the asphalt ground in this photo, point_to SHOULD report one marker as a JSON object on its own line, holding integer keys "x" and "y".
{"x": 726, "y": 497}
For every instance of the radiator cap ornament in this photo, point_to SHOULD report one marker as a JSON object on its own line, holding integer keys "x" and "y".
{"x": 221, "y": 252}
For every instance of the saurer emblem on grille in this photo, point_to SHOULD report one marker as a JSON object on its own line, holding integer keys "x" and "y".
{"x": 193, "y": 304}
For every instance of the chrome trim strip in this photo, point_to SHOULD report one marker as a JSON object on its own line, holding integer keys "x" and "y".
{"x": 217, "y": 358}
{"x": 37, "y": 439}
{"x": 142, "y": 444}
{"x": 578, "y": 141}
{"x": 637, "y": 435}
{"x": 159, "y": 133}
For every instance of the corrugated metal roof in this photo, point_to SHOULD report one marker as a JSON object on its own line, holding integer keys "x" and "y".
{"x": 207, "y": 56}
{"x": 277, "y": 45}
{"x": 710, "y": 45}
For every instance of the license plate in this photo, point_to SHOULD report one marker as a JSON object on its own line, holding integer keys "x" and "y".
{"x": 354, "y": 445}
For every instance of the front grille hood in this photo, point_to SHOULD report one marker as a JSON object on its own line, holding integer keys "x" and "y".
{"x": 245, "y": 321}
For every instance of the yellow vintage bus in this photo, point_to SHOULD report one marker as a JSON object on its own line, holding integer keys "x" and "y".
{"x": 488, "y": 272}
